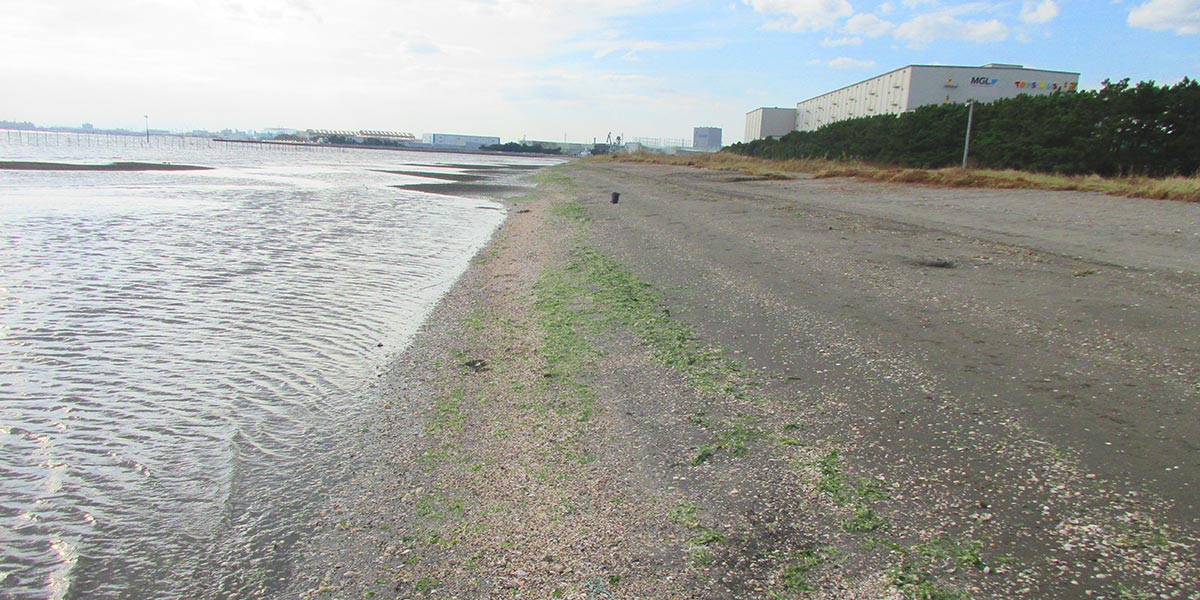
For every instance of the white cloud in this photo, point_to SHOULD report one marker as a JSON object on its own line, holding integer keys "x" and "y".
{"x": 342, "y": 64}
{"x": 1039, "y": 13}
{"x": 843, "y": 62}
{"x": 1181, "y": 16}
{"x": 947, "y": 24}
{"x": 803, "y": 15}
{"x": 631, "y": 49}
{"x": 869, "y": 25}
{"x": 928, "y": 20}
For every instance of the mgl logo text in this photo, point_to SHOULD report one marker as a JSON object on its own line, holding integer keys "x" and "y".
{"x": 983, "y": 81}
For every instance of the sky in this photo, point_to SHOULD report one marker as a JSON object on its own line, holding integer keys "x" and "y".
{"x": 535, "y": 69}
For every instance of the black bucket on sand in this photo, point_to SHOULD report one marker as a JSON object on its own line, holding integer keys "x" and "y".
{"x": 615, "y": 197}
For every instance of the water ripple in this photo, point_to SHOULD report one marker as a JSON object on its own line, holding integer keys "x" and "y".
{"x": 177, "y": 352}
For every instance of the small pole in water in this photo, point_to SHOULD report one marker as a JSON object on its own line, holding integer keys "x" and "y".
{"x": 616, "y": 196}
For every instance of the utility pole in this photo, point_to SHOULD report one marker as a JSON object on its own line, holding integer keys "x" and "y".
{"x": 147, "y": 117}
{"x": 967, "y": 141}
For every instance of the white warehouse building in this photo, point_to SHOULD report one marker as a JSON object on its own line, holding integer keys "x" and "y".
{"x": 910, "y": 87}
{"x": 453, "y": 140}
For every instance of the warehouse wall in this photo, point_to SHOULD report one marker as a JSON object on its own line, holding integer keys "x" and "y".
{"x": 919, "y": 85}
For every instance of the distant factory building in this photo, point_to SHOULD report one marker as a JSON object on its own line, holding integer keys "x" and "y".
{"x": 908, "y": 88}
{"x": 706, "y": 139}
{"x": 358, "y": 136}
{"x": 463, "y": 142}
{"x": 391, "y": 136}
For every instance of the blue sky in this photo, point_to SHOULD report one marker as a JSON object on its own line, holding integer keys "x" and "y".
{"x": 536, "y": 69}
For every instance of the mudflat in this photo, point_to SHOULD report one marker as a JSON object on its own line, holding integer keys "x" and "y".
{"x": 116, "y": 166}
{"x": 723, "y": 388}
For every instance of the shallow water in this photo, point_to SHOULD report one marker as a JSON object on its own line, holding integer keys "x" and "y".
{"x": 180, "y": 351}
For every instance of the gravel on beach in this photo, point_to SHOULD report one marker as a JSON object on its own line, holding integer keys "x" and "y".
{"x": 837, "y": 390}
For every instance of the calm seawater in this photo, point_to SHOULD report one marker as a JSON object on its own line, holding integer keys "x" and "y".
{"x": 181, "y": 353}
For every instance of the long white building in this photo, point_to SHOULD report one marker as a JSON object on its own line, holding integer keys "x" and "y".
{"x": 464, "y": 142}
{"x": 910, "y": 87}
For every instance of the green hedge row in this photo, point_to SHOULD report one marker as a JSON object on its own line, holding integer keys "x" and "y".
{"x": 1143, "y": 129}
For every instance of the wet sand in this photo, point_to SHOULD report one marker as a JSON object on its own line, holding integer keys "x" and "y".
{"x": 985, "y": 392}
{"x": 116, "y": 166}
{"x": 459, "y": 177}
{"x": 474, "y": 190}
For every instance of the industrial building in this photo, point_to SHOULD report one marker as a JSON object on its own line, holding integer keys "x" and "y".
{"x": 907, "y": 88}
{"x": 357, "y": 137}
{"x": 458, "y": 142}
{"x": 706, "y": 139}
{"x": 769, "y": 122}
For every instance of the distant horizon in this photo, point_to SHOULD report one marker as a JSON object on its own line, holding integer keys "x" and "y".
{"x": 82, "y": 124}
{"x": 419, "y": 134}
{"x": 725, "y": 136}
{"x": 83, "y": 128}
{"x": 529, "y": 69}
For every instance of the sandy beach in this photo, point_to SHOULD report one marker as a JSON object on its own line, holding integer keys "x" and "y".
{"x": 721, "y": 388}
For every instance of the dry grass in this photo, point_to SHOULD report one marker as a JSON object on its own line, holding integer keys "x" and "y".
{"x": 1186, "y": 189}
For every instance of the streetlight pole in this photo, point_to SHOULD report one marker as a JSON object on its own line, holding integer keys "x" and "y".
{"x": 967, "y": 141}
{"x": 147, "y": 117}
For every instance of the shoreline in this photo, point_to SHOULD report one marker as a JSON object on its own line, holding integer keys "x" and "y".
{"x": 558, "y": 428}
{"x": 443, "y": 150}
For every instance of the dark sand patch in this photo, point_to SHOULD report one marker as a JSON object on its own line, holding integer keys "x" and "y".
{"x": 459, "y": 177}
{"x": 116, "y": 166}
{"x": 495, "y": 167}
{"x": 466, "y": 189}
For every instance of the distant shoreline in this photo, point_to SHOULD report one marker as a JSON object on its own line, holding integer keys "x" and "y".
{"x": 392, "y": 148}
{"x": 116, "y": 166}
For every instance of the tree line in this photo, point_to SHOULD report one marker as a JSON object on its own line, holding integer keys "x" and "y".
{"x": 534, "y": 148}
{"x": 1120, "y": 129}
